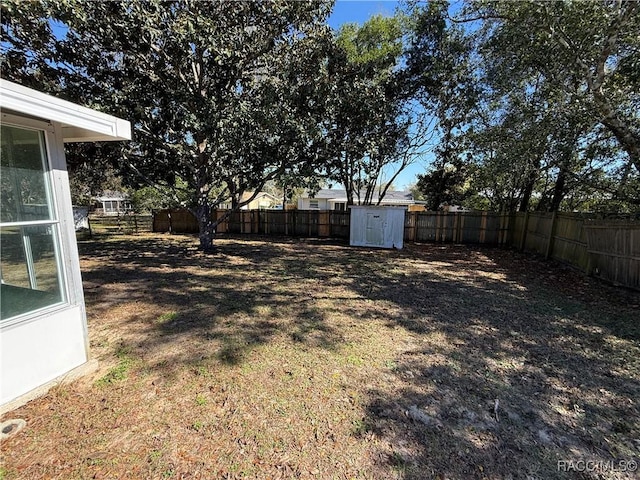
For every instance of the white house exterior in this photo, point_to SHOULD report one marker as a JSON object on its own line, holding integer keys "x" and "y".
{"x": 43, "y": 328}
{"x": 330, "y": 199}
{"x": 113, "y": 203}
{"x": 262, "y": 200}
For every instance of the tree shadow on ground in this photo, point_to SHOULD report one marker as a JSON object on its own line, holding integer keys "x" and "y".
{"x": 514, "y": 363}
{"x": 228, "y": 302}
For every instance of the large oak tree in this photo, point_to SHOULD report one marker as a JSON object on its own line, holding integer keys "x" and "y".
{"x": 225, "y": 96}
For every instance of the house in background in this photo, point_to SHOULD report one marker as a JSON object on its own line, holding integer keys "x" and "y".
{"x": 330, "y": 199}
{"x": 112, "y": 203}
{"x": 262, "y": 201}
{"x": 43, "y": 327}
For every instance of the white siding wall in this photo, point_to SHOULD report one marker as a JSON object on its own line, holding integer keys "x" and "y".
{"x": 304, "y": 203}
{"x": 37, "y": 351}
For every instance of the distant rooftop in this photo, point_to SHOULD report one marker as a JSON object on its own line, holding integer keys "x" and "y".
{"x": 247, "y": 195}
{"x": 112, "y": 195}
{"x": 341, "y": 195}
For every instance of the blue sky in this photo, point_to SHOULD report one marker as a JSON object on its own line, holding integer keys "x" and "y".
{"x": 356, "y": 11}
{"x": 346, "y": 11}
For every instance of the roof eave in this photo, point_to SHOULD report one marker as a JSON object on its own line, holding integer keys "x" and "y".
{"x": 79, "y": 124}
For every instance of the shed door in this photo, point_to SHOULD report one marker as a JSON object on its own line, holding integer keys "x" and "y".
{"x": 375, "y": 228}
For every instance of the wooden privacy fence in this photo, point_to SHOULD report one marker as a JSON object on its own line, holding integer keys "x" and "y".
{"x": 607, "y": 248}
{"x": 614, "y": 251}
{"x": 604, "y": 247}
{"x": 296, "y": 223}
{"x": 123, "y": 223}
{"x": 468, "y": 227}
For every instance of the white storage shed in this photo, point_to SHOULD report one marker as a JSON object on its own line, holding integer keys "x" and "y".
{"x": 381, "y": 227}
{"x": 43, "y": 328}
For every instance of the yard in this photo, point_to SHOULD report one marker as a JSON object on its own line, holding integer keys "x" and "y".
{"x": 308, "y": 359}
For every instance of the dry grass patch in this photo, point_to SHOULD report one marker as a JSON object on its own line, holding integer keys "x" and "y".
{"x": 306, "y": 359}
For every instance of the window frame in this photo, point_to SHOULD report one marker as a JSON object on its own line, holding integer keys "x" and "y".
{"x": 49, "y": 157}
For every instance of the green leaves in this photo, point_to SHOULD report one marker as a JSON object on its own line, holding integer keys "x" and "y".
{"x": 230, "y": 95}
{"x": 525, "y": 90}
{"x": 211, "y": 87}
{"x": 365, "y": 129}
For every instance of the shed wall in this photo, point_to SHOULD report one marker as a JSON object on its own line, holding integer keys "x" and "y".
{"x": 380, "y": 227}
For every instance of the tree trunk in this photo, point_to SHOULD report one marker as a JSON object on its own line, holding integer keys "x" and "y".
{"x": 348, "y": 190}
{"x": 206, "y": 227}
{"x": 558, "y": 190}
{"x": 526, "y": 196}
{"x": 438, "y": 196}
{"x": 436, "y": 201}
{"x": 530, "y": 184}
{"x": 628, "y": 141}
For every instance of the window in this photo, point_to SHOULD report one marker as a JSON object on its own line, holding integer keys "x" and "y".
{"x": 110, "y": 206}
{"x": 341, "y": 206}
{"x": 30, "y": 273}
{"x": 313, "y": 205}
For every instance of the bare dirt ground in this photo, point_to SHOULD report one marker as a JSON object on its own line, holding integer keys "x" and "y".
{"x": 280, "y": 358}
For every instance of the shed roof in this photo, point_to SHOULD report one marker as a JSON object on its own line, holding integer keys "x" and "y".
{"x": 79, "y": 124}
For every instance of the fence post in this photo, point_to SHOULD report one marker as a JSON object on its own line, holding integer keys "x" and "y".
{"x": 589, "y": 267}
{"x": 454, "y": 227}
{"x": 286, "y": 221}
{"x": 506, "y": 227}
{"x": 332, "y": 219}
{"x": 323, "y": 224}
{"x": 414, "y": 225}
{"x": 525, "y": 225}
{"x": 293, "y": 218}
{"x": 457, "y": 221}
{"x": 551, "y": 234}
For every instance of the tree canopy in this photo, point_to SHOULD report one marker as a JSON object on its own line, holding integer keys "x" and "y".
{"x": 367, "y": 123}
{"x": 525, "y": 105}
{"x": 546, "y": 108}
{"x": 223, "y": 95}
